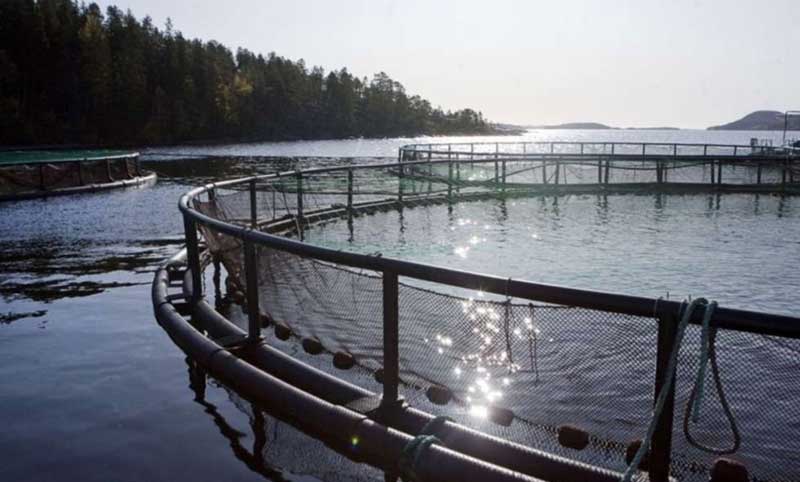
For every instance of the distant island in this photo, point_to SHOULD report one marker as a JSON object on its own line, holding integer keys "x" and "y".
{"x": 760, "y": 120}
{"x": 599, "y": 126}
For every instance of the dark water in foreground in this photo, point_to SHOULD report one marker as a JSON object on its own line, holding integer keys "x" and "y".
{"x": 91, "y": 388}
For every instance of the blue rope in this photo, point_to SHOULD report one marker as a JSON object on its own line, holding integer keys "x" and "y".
{"x": 704, "y": 349}
{"x": 686, "y": 316}
{"x": 412, "y": 452}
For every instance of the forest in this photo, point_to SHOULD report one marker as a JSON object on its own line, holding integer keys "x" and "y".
{"x": 73, "y": 74}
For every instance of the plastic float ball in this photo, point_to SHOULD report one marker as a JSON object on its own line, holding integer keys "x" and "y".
{"x": 230, "y": 286}
{"x": 630, "y": 453}
{"x": 439, "y": 395}
{"x": 237, "y": 297}
{"x": 728, "y": 470}
{"x": 572, "y": 437}
{"x": 282, "y": 332}
{"x": 343, "y": 360}
{"x": 501, "y": 416}
{"x": 312, "y": 346}
{"x": 265, "y": 321}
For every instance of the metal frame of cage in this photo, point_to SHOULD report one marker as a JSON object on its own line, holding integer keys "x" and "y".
{"x": 664, "y": 311}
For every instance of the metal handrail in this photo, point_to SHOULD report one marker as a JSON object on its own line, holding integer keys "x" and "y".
{"x": 729, "y": 318}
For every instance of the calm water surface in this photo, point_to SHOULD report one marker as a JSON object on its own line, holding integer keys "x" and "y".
{"x": 93, "y": 389}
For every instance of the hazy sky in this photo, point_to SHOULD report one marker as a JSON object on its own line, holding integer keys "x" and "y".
{"x": 644, "y": 63}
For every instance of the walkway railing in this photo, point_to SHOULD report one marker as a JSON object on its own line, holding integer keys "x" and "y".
{"x": 242, "y": 216}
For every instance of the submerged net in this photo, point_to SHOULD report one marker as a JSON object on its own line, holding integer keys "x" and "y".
{"x": 505, "y": 366}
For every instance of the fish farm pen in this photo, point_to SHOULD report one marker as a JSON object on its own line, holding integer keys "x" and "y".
{"x": 432, "y": 373}
{"x": 37, "y": 174}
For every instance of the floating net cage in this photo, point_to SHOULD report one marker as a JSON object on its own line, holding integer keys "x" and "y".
{"x": 29, "y": 174}
{"x": 526, "y": 371}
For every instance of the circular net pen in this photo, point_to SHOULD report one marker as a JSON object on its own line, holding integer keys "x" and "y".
{"x": 568, "y": 372}
{"x": 34, "y": 174}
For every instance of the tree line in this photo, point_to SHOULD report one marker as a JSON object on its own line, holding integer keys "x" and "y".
{"x": 70, "y": 73}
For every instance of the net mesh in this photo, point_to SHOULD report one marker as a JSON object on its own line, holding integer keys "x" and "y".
{"x": 26, "y": 178}
{"x": 505, "y": 366}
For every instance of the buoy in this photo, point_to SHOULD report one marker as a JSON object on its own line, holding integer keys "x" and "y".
{"x": 572, "y": 437}
{"x": 728, "y": 470}
{"x": 379, "y": 375}
{"x": 312, "y": 346}
{"x": 439, "y": 395}
{"x": 237, "y": 297}
{"x": 230, "y": 286}
{"x": 282, "y": 332}
{"x": 501, "y": 416}
{"x": 343, "y": 360}
{"x": 630, "y": 453}
{"x": 265, "y": 321}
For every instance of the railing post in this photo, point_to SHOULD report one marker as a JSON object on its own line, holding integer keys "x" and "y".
{"x": 350, "y": 191}
{"x": 253, "y": 205}
{"x": 80, "y": 172}
{"x": 758, "y": 172}
{"x": 661, "y": 444}
{"x": 713, "y": 174}
{"x": 400, "y": 174}
{"x": 608, "y": 169}
{"x": 719, "y": 172}
{"x": 600, "y": 171}
{"x": 449, "y": 180}
{"x": 458, "y": 175}
{"x": 504, "y": 174}
{"x": 496, "y": 166}
{"x": 251, "y": 281}
{"x": 544, "y": 171}
{"x": 108, "y": 171}
{"x": 193, "y": 256}
{"x": 391, "y": 339}
{"x": 558, "y": 171}
{"x": 783, "y": 174}
{"x": 299, "y": 213}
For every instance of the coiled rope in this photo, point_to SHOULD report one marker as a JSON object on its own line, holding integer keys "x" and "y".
{"x": 409, "y": 457}
{"x": 707, "y": 353}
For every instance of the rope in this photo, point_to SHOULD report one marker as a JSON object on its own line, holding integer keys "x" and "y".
{"x": 412, "y": 452}
{"x": 696, "y": 396}
{"x": 694, "y": 403}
